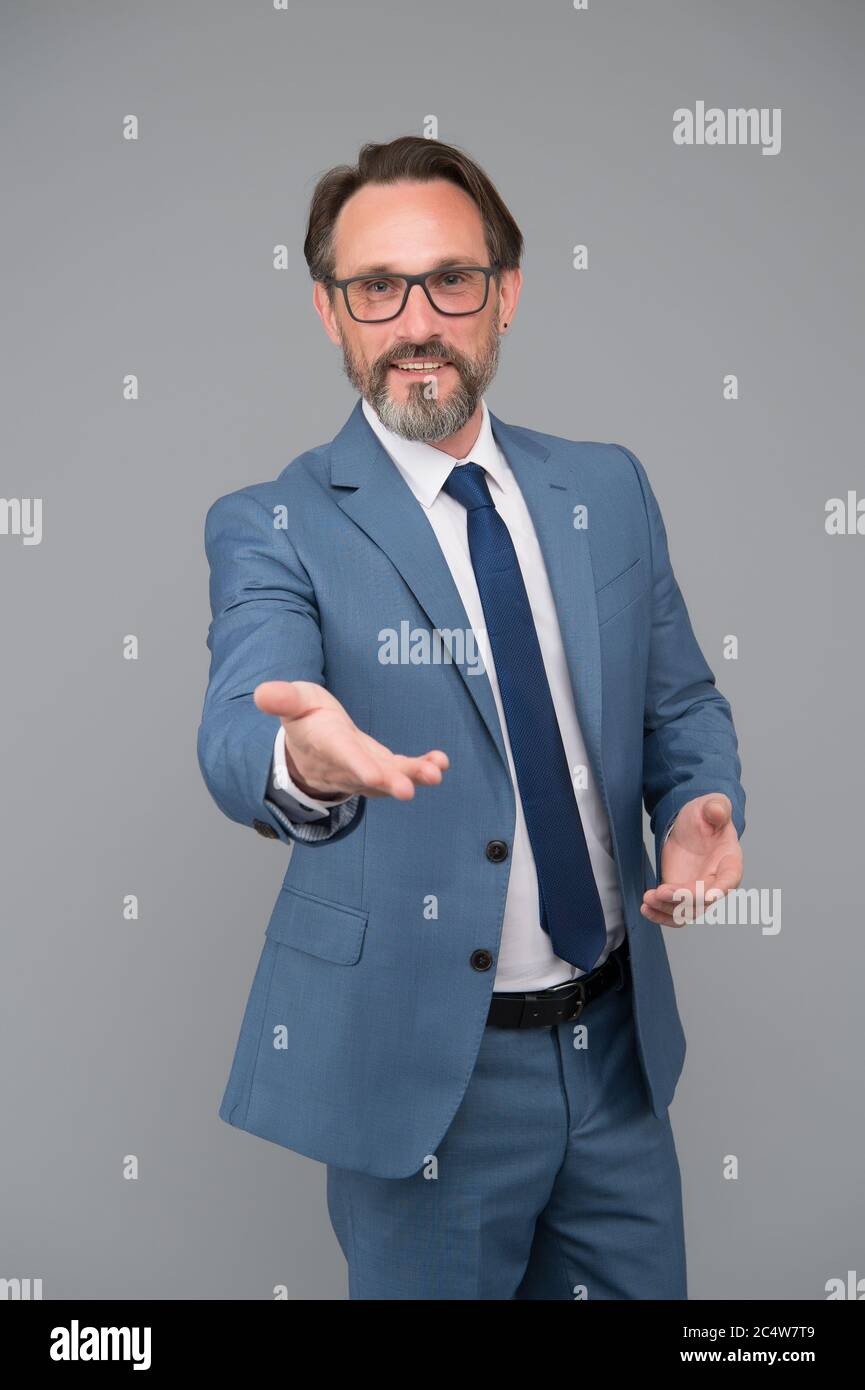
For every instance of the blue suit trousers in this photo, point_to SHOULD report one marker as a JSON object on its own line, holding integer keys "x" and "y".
{"x": 555, "y": 1180}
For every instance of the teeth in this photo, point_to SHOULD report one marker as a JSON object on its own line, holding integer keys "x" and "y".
{"x": 418, "y": 366}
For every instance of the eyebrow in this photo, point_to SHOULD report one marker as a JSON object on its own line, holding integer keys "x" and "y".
{"x": 382, "y": 269}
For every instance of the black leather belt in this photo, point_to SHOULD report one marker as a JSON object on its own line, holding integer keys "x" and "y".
{"x": 545, "y": 1007}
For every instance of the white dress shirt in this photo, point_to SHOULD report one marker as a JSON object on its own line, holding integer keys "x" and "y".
{"x": 526, "y": 957}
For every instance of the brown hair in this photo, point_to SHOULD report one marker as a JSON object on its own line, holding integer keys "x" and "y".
{"x": 407, "y": 157}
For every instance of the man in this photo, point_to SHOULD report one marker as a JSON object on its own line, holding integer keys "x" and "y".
{"x": 459, "y": 1007}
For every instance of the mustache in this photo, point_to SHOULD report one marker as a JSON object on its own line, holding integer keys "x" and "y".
{"x": 408, "y": 351}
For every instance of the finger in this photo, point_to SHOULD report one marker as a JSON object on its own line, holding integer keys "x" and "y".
{"x": 670, "y": 898}
{"x": 666, "y": 892}
{"x": 280, "y": 697}
{"x": 420, "y": 769}
{"x": 403, "y": 773}
{"x": 435, "y": 755}
{"x": 374, "y": 774}
{"x": 439, "y": 757}
{"x": 388, "y": 782}
{"x": 376, "y": 771}
{"x": 677, "y": 905}
{"x": 663, "y": 919}
{"x": 427, "y": 774}
{"x": 717, "y": 810}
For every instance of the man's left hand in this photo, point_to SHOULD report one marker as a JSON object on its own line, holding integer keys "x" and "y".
{"x": 702, "y": 846}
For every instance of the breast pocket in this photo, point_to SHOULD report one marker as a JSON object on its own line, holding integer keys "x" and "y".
{"x": 317, "y": 926}
{"x": 620, "y": 591}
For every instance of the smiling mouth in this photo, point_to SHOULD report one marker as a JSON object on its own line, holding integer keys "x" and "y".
{"x": 419, "y": 367}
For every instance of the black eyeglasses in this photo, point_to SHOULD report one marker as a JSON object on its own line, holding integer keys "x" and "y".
{"x": 454, "y": 289}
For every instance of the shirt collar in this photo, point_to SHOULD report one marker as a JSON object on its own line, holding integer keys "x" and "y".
{"x": 426, "y": 469}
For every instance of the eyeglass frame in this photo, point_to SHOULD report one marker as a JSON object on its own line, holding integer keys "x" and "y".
{"x": 410, "y": 281}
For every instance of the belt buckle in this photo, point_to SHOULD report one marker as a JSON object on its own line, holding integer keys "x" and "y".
{"x": 573, "y": 989}
{"x": 581, "y": 991}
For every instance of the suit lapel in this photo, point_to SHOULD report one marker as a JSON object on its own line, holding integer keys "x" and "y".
{"x": 373, "y": 492}
{"x": 552, "y": 489}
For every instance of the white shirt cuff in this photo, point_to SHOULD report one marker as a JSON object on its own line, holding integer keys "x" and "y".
{"x": 283, "y": 783}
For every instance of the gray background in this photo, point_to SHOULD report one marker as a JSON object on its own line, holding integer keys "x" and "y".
{"x": 155, "y": 257}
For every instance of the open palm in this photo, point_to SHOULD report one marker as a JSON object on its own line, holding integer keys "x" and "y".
{"x": 703, "y": 847}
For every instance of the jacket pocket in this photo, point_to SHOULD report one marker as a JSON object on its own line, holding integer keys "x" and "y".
{"x": 618, "y": 592}
{"x": 317, "y": 926}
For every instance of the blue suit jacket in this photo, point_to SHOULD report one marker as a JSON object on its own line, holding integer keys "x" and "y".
{"x": 366, "y": 1013}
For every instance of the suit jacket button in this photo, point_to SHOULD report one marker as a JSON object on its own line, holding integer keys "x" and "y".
{"x": 264, "y": 829}
{"x": 481, "y": 960}
{"x": 496, "y": 850}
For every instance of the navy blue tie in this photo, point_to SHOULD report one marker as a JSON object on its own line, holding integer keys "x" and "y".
{"x": 570, "y": 907}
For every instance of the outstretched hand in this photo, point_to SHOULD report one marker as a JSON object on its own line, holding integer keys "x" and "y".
{"x": 702, "y": 846}
{"x": 328, "y": 756}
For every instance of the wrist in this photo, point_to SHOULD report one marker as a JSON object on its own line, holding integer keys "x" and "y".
{"x": 316, "y": 793}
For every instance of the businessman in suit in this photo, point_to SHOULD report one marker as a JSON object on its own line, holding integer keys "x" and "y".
{"x": 450, "y": 663}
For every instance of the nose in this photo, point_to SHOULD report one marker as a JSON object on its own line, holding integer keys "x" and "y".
{"x": 419, "y": 320}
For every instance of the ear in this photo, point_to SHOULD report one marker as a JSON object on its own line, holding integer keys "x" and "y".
{"x": 509, "y": 295}
{"x": 326, "y": 312}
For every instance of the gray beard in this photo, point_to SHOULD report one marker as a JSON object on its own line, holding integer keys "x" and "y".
{"x": 426, "y": 419}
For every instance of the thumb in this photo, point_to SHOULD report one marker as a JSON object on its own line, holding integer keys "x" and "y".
{"x": 717, "y": 810}
{"x": 288, "y": 699}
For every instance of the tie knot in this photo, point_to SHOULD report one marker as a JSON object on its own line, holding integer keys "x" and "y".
{"x": 467, "y": 482}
